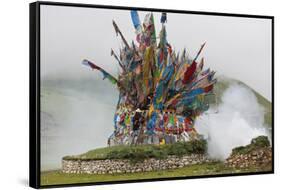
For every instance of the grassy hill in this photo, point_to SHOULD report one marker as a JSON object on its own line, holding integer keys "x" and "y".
{"x": 142, "y": 152}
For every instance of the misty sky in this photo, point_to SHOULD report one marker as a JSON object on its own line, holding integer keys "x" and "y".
{"x": 239, "y": 48}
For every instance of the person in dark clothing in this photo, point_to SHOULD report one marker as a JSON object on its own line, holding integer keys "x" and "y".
{"x": 136, "y": 121}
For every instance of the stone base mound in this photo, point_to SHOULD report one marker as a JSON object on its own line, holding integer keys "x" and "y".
{"x": 258, "y": 154}
{"x": 126, "y": 166}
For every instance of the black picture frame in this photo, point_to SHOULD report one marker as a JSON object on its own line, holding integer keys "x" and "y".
{"x": 34, "y": 91}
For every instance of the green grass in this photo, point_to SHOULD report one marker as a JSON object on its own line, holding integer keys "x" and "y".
{"x": 256, "y": 143}
{"x": 215, "y": 168}
{"x": 96, "y": 154}
{"x": 142, "y": 152}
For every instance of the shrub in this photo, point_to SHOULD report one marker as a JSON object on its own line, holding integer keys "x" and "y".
{"x": 260, "y": 141}
{"x": 256, "y": 143}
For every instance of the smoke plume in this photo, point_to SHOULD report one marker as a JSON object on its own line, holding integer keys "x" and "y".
{"x": 234, "y": 122}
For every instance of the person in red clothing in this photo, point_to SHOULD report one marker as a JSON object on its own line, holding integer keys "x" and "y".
{"x": 187, "y": 124}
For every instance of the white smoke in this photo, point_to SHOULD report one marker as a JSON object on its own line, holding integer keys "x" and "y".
{"x": 237, "y": 120}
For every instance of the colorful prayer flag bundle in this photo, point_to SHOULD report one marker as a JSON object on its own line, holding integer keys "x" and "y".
{"x": 161, "y": 92}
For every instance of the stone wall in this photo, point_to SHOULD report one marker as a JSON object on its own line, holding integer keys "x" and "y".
{"x": 256, "y": 158}
{"x": 126, "y": 166}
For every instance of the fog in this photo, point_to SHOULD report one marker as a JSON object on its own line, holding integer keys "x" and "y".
{"x": 76, "y": 116}
{"x": 236, "y": 47}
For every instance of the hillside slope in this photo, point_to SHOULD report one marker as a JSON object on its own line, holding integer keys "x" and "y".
{"x": 224, "y": 82}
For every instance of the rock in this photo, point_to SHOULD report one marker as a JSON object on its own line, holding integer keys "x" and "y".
{"x": 170, "y": 162}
